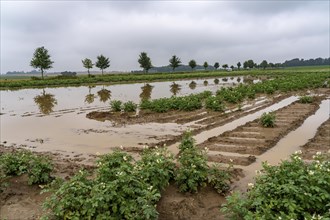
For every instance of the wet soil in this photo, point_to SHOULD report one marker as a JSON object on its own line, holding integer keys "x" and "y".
{"x": 320, "y": 143}
{"x": 242, "y": 145}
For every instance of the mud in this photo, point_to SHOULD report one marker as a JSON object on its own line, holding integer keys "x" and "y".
{"x": 320, "y": 143}
{"x": 251, "y": 139}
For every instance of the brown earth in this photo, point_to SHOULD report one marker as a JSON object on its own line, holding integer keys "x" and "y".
{"x": 241, "y": 145}
{"x": 320, "y": 143}
{"x": 21, "y": 201}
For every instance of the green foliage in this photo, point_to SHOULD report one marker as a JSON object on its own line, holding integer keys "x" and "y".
{"x": 268, "y": 120}
{"x": 122, "y": 188}
{"x": 287, "y": 80}
{"x": 192, "y": 64}
{"x": 219, "y": 179}
{"x": 102, "y": 62}
{"x": 129, "y": 106}
{"x": 175, "y": 62}
{"x": 306, "y": 99}
{"x": 38, "y": 168}
{"x": 186, "y": 103}
{"x": 41, "y": 59}
{"x": 87, "y": 63}
{"x": 145, "y": 61}
{"x": 193, "y": 169}
{"x": 205, "y": 65}
{"x": 156, "y": 167}
{"x": 215, "y": 103}
{"x": 292, "y": 190}
{"x": 264, "y": 64}
{"x": 16, "y": 163}
{"x": 216, "y": 81}
{"x": 216, "y": 65}
{"x": 116, "y": 105}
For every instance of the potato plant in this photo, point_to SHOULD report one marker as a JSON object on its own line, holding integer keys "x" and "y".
{"x": 16, "y": 163}
{"x": 267, "y": 120}
{"x": 292, "y": 190}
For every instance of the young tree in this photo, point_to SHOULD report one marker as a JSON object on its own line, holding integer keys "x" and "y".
{"x": 192, "y": 64}
{"x": 41, "y": 59}
{"x": 232, "y": 67}
{"x": 87, "y": 63}
{"x": 102, "y": 62}
{"x": 239, "y": 65}
{"x": 216, "y": 65}
{"x": 205, "y": 65}
{"x": 264, "y": 64}
{"x": 145, "y": 61}
{"x": 175, "y": 62}
{"x": 225, "y": 66}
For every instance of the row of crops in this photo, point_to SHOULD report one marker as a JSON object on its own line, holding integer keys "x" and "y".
{"x": 116, "y": 78}
{"x": 235, "y": 95}
{"x": 120, "y": 187}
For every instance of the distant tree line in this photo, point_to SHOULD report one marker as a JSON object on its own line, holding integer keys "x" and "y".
{"x": 311, "y": 62}
{"x": 41, "y": 61}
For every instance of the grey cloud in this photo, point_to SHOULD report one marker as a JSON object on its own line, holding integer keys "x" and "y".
{"x": 206, "y": 31}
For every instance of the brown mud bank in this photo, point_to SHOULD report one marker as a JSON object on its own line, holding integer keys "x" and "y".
{"x": 320, "y": 143}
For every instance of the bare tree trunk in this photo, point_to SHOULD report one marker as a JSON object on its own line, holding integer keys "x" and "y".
{"x": 42, "y": 73}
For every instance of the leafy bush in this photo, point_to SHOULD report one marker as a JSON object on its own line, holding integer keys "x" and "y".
{"x": 16, "y": 163}
{"x": 268, "y": 119}
{"x": 219, "y": 179}
{"x": 130, "y": 106}
{"x": 292, "y": 190}
{"x": 122, "y": 188}
{"x": 193, "y": 169}
{"x": 39, "y": 169}
{"x": 116, "y": 105}
{"x": 156, "y": 167}
{"x": 214, "y": 103}
{"x": 306, "y": 99}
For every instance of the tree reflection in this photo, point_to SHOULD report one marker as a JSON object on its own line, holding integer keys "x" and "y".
{"x": 104, "y": 94}
{"x": 175, "y": 88}
{"x": 192, "y": 85}
{"x": 89, "y": 98}
{"x": 146, "y": 92}
{"x": 45, "y": 102}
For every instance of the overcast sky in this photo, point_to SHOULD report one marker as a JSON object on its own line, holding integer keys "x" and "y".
{"x": 212, "y": 31}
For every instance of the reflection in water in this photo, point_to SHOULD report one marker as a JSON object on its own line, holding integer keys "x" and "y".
{"x": 104, "y": 94}
{"x": 146, "y": 92}
{"x": 192, "y": 85}
{"x": 238, "y": 79}
{"x": 216, "y": 81}
{"x": 45, "y": 102}
{"x": 206, "y": 83}
{"x": 89, "y": 98}
{"x": 175, "y": 88}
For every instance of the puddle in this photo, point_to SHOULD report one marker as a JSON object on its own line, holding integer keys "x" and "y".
{"x": 57, "y": 115}
{"x": 287, "y": 145}
{"x": 203, "y": 136}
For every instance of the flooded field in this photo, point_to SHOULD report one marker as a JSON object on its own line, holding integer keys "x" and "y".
{"x": 55, "y": 118}
{"x": 74, "y": 125}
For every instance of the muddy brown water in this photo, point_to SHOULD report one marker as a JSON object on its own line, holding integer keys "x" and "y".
{"x": 203, "y": 136}
{"x": 53, "y": 119}
{"x": 287, "y": 145}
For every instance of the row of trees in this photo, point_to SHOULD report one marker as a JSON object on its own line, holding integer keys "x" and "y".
{"x": 41, "y": 60}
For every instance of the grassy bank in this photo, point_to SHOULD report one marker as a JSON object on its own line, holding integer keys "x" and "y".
{"x": 15, "y": 82}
